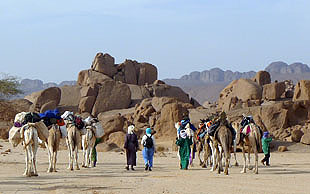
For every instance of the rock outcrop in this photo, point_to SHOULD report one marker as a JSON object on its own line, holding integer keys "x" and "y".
{"x": 111, "y": 95}
{"x": 302, "y": 90}
{"x": 240, "y": 93}
{"x": 262, "y": 78}
{"x": 48, "y": 98}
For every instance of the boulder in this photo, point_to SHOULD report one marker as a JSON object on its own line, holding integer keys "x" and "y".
{"x": 43, "y": 97}
{"x": 111, "y": 124}
{"x": 274, "y": 117}
{"x": 117, "y": 138}
{"x": 282, "y": 149}
{"x": 138, "y": 93}
{"x": 296, "y": 135}
{"x": 112, "y": 95}
{"x": 51, "y": 105}
{"x": 104, "y": 63}
{"x": 129, "y": 70}
{"x": 89, "y": 91}
{"x": 86, "y": 104}
{"x": 262, "y": 78}
{"x": 273, "y": 91}
{"x": 302, "y": 90}
{"x": 170, "y": 114}
{"x": 70, "y": 98}
{"x": 90, "y": 78}
{"x": 147, "y": 73}
{"x": 164, "y": 90}
{"x": 159, "y": 102}
{"x": 239, "y": 91}
{"x": 305, "y": 139}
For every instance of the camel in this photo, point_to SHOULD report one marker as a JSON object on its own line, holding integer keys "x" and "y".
{"x": 88, "y": 143}
{"x": 52, "y": 146}
{"x": 253, "y": 140}
{"x": 204, "y": 146}
{"x": 73, "y": 140}
{"x": 29, "y": 135}
{"x": 220, "y": 144}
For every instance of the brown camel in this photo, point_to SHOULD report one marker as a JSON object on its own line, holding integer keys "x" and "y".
{"x": 73, "y": 141}
{"x": 203, "y": 146}
{"x": 253, "y": 140}
{"x": 53, "y": 146}
{"x": 223, "y": 141}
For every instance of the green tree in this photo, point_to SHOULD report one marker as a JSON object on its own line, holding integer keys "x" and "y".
{"x": 9, "y": 86}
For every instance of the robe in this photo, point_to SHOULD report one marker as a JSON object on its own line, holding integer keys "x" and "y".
{"x": 184, "y": 151}
{"x": 131, "y": 145}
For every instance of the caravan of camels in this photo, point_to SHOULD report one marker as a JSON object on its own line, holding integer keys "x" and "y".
{"x": 216, "y": 137}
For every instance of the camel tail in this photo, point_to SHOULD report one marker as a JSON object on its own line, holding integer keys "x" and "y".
{"x": 225, "y": 144}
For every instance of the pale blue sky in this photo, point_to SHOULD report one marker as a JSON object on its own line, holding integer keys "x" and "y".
{"x": 53, "y": 40}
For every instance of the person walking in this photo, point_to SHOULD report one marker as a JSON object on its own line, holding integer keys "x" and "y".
{"x": 148, "y": 151}
{"x": 266, "y": 148}
{"x": 131, "y": 146}
{"x": 184, "y": 142}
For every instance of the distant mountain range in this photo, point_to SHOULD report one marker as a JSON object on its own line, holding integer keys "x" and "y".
{"x": 29, "y": 86}
{"x": 207, "y": 85}
{"x": 203, "y": 86}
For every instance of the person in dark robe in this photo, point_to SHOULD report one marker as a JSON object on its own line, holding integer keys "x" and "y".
{"x": 131, "y": 146}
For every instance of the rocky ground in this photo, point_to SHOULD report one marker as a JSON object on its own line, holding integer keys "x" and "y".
{"x": 289, "y": 173}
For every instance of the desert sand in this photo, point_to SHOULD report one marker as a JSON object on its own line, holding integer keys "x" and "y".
{"x": 289, "y": 173}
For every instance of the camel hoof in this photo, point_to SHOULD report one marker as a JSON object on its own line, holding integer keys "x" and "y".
{"x": 243, "y": 172}
{"x": 236, "y": 164}
{"x": 250, "y": 168}
{"x": 204, "y": 166}
{"x": 35, "y": 174}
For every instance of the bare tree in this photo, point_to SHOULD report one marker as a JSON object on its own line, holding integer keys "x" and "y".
{"x": 9, "y": 86}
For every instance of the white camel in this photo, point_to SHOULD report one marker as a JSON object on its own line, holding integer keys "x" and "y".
{"x": 53, "y": 147}
{"x": 73, "y": 141}
{"x": 29, "y": 136}
{"x": 88, "y": 143}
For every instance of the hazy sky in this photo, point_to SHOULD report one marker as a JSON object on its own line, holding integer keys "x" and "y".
{"x": 53, "y": 40}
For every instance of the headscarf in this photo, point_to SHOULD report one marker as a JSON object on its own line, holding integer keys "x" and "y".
{"x": 148, "y": 131}
{"x": 266, "y": 133}
{"x": 183, "y": 134}
{"x": 131, "y": 129}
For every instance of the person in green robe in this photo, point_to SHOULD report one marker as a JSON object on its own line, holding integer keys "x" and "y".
{"x": 94, "y": 152}
{"x": 266, "y": 148}
{"x": 184, "y": 142}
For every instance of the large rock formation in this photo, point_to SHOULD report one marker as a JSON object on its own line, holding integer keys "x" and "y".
{"x": 111, "y": 95}
{"x": 302, "y": 90}
{"x": 104, "y": 63}
{"x": 48, "y": 98}
{"x": 262, "y": 78}
{"x": 239, "y": 93}
{"x": 273, "y": 91}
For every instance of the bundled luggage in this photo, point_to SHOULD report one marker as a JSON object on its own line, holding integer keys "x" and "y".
{"x": 89, "y": 121}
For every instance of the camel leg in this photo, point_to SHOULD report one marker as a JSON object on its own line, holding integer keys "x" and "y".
{"x": 244, "y": 159}
{"x": 219, "y": 160}
{"x": 205, "y": 155}
{"x": 235, "y": 153}
{"x": 34, "y": 159}
{"x": 70, "y": 166}
{"x": 76, "y": 158}
{"x": 249, "y": 157}
{"x": 54, "y": 161}
{"x": 220, "y": 153}
{"x": 27, "y": 162}
{"x": 84, "y": 152}
{"x": 214, "y": 154}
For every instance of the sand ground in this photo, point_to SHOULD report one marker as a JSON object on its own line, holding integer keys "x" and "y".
{"x": 289, "y": 173}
